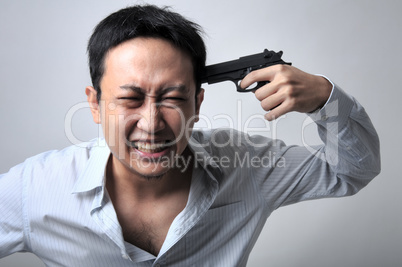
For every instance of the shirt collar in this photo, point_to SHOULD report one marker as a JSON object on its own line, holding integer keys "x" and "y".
{"x": 93, "y": 175}
{"x": 202, "y": 156}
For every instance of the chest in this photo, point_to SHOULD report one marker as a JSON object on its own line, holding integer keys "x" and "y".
{"x": 146, "y": 226}
{"x": 147, "y": 233}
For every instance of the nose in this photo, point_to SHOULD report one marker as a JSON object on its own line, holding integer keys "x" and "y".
{"x": 151, "y": 120}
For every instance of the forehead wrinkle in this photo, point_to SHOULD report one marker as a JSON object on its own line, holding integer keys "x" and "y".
{"x": 132, "y": 87}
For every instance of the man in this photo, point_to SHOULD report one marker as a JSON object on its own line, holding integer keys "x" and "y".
{"x": 160, "y": 193}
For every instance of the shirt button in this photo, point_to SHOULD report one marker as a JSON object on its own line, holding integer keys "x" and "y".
{"x": 324, "y": 118}
{"x": 125, "y": 257}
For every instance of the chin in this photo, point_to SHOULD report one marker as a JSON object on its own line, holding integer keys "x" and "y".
{"x": 151, "y": 172}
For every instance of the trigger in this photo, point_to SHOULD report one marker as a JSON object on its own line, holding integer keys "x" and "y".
{"x": 242, "y": 74}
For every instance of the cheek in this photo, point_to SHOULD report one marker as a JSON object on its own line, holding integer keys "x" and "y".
{"x": 180, "y": 121}
{"x": 118, "y": 122}
{"x": 127, "y": 123}
{"x": 175, "y": 119}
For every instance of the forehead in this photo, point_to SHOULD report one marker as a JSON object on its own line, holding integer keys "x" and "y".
{"x": 141, "y": 56}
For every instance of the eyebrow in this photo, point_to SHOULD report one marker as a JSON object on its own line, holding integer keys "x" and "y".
{"x": 181, "y": 88}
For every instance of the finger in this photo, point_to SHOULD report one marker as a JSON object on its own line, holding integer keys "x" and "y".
{"x": 277, "y": 112}
{"x": 265, "y": 74}
{"x": 272, "y": 101}
{"x": 265, "y": 91}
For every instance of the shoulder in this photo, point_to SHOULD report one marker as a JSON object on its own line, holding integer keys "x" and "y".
{"x": 217, "y": 137}
{"x": 55, "y": 164}
{"x": 227, "y": 139}
{"x": 73, "y": 155}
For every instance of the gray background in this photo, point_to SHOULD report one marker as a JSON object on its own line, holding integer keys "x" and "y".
{"x": 357, "y": 44}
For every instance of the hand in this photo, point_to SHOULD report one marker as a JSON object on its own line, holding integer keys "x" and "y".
{"x": 290, "y": 89}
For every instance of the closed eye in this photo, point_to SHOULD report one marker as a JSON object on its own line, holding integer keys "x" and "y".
{"x": 131, "y": 101}
{"x": 131, "y": 98}
{"x": 174, "y": 98}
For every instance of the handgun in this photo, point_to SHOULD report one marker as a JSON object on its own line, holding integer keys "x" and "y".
{"x": 236, "y": 70}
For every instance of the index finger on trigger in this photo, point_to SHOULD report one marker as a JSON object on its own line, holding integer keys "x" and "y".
{"x": 265, "y": 74}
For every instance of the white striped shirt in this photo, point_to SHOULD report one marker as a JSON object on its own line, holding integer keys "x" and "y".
{"x": 55, "y": 204}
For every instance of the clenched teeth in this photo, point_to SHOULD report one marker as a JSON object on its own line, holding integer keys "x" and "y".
{"x": 150, "y": 147}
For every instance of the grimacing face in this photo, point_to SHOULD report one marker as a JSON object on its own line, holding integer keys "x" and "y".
{"x": 148, "y": 105}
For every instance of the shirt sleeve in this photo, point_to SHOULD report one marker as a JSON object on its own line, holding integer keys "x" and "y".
{"x": 11, "y": 217}
{"x": 346, "y": 162}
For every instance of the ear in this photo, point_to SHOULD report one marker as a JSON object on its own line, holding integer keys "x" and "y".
{"x": 93, "y": 103}
{"x": 199, "y": 98}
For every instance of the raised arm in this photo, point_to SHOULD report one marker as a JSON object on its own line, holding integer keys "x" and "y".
{"x": 350, "y": 155}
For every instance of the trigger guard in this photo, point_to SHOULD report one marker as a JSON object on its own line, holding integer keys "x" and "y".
{"x": 248, "y": 89}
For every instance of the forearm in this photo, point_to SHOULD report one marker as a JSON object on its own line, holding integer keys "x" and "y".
{"x": 351, "y": 142}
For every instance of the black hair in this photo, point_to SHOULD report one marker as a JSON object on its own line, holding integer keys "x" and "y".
{"x": 145, "y": 21}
